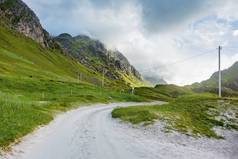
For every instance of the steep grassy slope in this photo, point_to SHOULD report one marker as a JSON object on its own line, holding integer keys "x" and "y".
{"x": 21, "y": 56}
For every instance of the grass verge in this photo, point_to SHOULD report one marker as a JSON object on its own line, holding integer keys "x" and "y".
{"x": 194, "y": 115}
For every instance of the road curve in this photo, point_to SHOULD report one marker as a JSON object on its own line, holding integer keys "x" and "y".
{"x": 91, "y": 133}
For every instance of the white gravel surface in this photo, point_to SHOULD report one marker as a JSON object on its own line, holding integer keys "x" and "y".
{"x": 91, "y": 133}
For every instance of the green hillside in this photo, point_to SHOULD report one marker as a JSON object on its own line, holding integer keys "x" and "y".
{"x": 37, "y": 82}
{"x": 21, "y": 56}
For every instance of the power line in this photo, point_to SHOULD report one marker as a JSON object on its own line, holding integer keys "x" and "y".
{"x": 230, "y": 47}
{"x": 184, "y": 60}
{"x": 192, "y": 57}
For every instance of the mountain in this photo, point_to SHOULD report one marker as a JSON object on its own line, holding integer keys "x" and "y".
{"x": 25, "y": 49}
{"x": 229, "y": 82}
{"x": 21, "y": 18}
{"x": 60, "y": 56}
{"x": 94, "y": 55}
{"x": 38, "y": 78}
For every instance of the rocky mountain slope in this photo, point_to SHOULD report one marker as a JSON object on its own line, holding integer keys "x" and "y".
{"x": 21, "y": 18}
{"x": 94, "y": 55}
{"x": 229, "y": 82}
{"x": 16, "y": 15}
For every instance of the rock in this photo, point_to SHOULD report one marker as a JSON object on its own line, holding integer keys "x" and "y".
{"x": 94, "y": 54}
{"x": 123, "y": 64}
{"x": 22, "y": 19}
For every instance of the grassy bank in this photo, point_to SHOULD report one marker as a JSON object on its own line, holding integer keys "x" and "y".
{"x": 192, "y": 115}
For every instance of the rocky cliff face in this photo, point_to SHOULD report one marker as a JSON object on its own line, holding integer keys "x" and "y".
{"x": 20, "y": 17}
{"x": 93, "y": 54}
{"x": 123, "y": 64}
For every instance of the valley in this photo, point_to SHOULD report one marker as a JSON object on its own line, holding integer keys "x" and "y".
{"x": 70, "y": 96}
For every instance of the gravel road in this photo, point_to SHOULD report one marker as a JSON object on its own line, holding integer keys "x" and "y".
{"x": 91, "y": 133}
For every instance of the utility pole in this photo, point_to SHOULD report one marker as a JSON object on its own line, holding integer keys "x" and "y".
{"x": 219, "y": 70}
{"x": 103, "y": 74}
{"x": 80, "y": 77}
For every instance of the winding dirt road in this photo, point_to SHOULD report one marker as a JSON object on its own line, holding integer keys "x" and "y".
{"x": 91, "y": 133}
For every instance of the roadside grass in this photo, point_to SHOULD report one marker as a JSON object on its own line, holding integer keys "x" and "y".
{"x": 28, "y": 103}
{"x": 194, "y": 115}
{"x": 18, "y": 118}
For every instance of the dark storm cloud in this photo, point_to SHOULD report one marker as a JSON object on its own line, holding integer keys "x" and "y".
{"x": 158, "y": 15}
{"x": 161, "y": 14}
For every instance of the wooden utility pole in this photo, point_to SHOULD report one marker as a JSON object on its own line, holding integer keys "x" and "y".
{"x": 219, "y": 70}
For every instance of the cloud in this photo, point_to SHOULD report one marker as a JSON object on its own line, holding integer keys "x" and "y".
{"x": 156, "y": 36}
{"x": 163, "y": 14}
{"x": 235, "y": 33}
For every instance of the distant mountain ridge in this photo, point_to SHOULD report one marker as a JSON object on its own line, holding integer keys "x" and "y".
{"x": 229, "y": 82}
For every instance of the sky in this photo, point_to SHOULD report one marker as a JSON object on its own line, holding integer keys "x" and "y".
{"x": 176, "y": 40}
